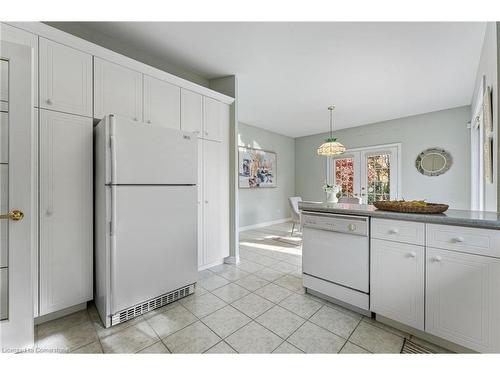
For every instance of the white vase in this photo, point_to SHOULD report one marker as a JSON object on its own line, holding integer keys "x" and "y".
{"x": 332, "y": 197}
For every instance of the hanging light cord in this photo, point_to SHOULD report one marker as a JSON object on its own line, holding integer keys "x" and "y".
{"x": 331, "y": 139}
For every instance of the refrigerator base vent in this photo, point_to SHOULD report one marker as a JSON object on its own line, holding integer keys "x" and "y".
{"x": 152, "y": 304}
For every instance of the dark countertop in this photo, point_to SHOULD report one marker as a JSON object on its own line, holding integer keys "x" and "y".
{"x": 477, "y": 219}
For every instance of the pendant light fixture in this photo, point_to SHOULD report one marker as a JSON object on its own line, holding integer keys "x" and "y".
{"x": 331, "y": 147}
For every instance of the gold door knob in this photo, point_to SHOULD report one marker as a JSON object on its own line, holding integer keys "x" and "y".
{"x": 15, "y": 215}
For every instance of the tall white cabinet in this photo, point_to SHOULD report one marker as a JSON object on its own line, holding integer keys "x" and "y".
{"x": 209, "y": 120}
{"x": 66, "y": 213}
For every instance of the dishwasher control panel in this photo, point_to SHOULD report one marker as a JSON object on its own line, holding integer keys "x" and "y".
{"x": 357, "y": 225}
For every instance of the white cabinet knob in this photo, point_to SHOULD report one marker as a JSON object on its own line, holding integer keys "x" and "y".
{"x": 393, "y": 231}
{"x": 437, "y": 258}
{"x": 351, "y": 227}
{"x": 458, "y": 239}
{"x": 49, "y": 101}
{"x": 412, "y": 254}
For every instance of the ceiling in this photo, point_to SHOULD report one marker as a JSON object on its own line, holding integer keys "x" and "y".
{"x": 289, "y": 73}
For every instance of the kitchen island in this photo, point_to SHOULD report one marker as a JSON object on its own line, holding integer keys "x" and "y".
{"x": 437, "y": 275}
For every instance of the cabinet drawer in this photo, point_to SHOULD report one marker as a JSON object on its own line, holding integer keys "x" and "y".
{"x": 397, "y": 230}
{"x": 468, "y": 240}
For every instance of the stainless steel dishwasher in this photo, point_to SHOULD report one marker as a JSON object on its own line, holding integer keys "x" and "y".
{"x": 335, "y": 257}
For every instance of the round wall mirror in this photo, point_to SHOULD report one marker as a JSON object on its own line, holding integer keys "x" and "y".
{"x": 433, "y": 161}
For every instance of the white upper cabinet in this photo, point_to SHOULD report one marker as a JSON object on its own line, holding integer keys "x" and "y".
{"x": 462, "y": 299}
{"x": 15, "y": 35}
{"x": 191, "y": 112}
{"x": 4, "y": 82}
{"x": 212, "y": 126}
{"x": 397, "y": 281}
{"x": 162, "y": 103}
{"x": 117, "y": 90}
{"x": 65, "y": 79}
{"x": 66, "y": 219}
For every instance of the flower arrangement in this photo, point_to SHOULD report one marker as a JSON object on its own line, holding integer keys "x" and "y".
{"x": 332, "y": 191}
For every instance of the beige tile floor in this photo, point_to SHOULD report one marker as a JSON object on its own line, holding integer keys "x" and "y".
{"x": 257, "y": 306}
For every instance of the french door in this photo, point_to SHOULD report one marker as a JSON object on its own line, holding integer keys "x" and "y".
{"x": 371, "y": 173}
{"x": 16, "y": 291}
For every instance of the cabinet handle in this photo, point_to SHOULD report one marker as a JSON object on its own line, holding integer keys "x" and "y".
{"x": 393, "y": 231}
{"x": 437, "y": 258}
{"x": 135, "y": 118}
{"x": 49, "y": 101}
{"x": 412, "y": 254}
{"x": 149, "y": 121}
{"x": 206, "y": 201}
{"x": 49, "y": 212}
{"x": 351, "y": 227}
{"x": 206, "y": 133}
{"x": 458, "y": 239}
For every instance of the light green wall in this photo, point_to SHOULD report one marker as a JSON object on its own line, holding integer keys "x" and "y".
{"x": 446, "y": 129}
{"x": 268, "y": 204}
{"x": 488, "y": 67}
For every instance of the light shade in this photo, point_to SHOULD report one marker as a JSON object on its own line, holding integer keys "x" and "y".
{"x": 331, "y": 148}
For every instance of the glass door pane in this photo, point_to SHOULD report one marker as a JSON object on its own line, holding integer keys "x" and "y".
{"x": 344, "y": 175}
{"x": 378, "y": 177}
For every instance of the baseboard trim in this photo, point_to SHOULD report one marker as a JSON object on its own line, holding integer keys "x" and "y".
{"x": 61, "y": 313}
{"x": 265, "y": 224}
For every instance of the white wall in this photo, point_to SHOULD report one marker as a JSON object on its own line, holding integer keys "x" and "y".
{"x": 488, "y": 67}
{"x": 445, "y": 129}
{"x": 262, "y": 205}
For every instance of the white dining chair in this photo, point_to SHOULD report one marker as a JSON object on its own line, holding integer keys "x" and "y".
{"x": 296, "y": 216}
{"x": 352, "y": 200}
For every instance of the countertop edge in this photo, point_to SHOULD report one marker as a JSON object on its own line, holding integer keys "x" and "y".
{"x": 423, "y": 218}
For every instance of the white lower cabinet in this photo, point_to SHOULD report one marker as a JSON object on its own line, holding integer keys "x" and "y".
{"x": 397, "y": 282}
{"x": 66, "y": 219}
{"x": 462, "y": 299}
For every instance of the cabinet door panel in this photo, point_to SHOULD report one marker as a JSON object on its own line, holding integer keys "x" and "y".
{"x": 200, "y": 203}
{"x": 397, "y": 282}
{"x": 191, "y": 112}
{"x": 162, "y": 103}
{"x": 462, "y": 300}
{"x": 117, "y": 90}
{"x": 215, "y": 209}
{"x": 65, "y": 79}
{"x": 66, "y": 243}
{"x": 212, "y": 119}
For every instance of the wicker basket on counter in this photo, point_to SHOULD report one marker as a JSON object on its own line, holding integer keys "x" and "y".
{"x": 400, "y": 206}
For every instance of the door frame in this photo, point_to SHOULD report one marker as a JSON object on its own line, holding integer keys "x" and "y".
{"x": 360, "y": 153}
{"x": 17, "y": 332}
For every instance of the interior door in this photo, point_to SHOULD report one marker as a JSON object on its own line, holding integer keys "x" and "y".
{"x": 16, "y": 290}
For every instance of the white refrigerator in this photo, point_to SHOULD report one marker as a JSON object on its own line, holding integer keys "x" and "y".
{"x": 145, "y": 217}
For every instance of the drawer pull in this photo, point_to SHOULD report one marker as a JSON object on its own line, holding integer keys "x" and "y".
{"x": 393, "y": 231}
{"x": 49, "y": 101}
{"x": 351, "y": 227}
{"x": 437, "y": 258}
{"x": 412, "y": 254}
{"x": 458, "y": 239}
